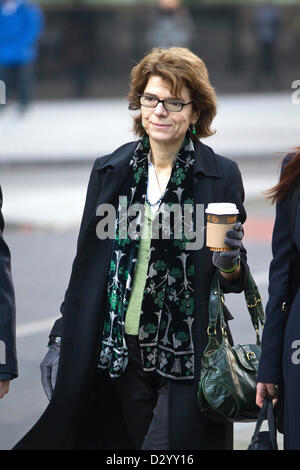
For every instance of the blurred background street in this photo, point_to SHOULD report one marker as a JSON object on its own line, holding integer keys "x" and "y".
{"x": 75, "y": 110}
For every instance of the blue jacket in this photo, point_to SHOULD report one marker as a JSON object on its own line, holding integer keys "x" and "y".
{"x": 19, "y": 32}
{"x": 8, "y": 356}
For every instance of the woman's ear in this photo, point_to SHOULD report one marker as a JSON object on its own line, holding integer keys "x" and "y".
{"x": 195, "y": 117}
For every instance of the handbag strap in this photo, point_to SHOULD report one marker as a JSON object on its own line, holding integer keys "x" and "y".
{"x": 272, "y": 425}
{"x": 254, "y": 305}
{"x": 215, "y": 311}
{"x": 216, "y": 301}
{"x": 266, "y": 412}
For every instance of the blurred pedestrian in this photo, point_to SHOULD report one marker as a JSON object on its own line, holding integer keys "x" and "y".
{"x": 171, "y": 26}
{"x": 267, "y": 28}
{"x": 78, "y": 40}
{"x": 125, "y": 356}
{"x": 280, "y": 356}
{"x": 21, "y": 25}
{"x": 8, "y": 356}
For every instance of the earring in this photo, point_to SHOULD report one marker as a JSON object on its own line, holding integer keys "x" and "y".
{"x": 193, "y": 129}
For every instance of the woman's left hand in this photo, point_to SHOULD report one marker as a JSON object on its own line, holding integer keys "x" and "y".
{"x": 226, "y": 260}
{"x": 265, "y": 390}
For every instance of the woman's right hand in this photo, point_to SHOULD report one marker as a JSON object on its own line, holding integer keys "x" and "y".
{"x": 263, "y": 390}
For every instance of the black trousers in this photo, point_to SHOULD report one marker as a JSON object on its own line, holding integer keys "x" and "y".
{"x": 133, "y": 409}
{"x": 144, "y": 401}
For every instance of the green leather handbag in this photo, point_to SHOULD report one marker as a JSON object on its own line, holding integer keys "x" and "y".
{"x": 227, "y": 385}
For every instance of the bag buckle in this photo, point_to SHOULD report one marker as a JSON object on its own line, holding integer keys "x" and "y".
{"x": 250, "y": 355}
{"x": 214, "y": 331}
{"x": 257, "y": 300}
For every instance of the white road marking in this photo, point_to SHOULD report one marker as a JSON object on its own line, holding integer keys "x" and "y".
{"x": 30, "y": 328}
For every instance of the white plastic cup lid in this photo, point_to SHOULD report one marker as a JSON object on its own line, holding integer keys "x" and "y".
{"x": 221, "y": 208}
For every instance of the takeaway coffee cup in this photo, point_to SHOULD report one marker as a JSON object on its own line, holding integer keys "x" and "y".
{"x": 221, "y": 216}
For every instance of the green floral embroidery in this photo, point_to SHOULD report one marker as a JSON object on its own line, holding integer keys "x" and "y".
{"x": 187, "y": 306}
{"x": 159, "y": 299}
{"x": 176, "y": 272}
{"x": 160, "y": 265}
{"x": 179, "y": 176}
{"x": 182, "y": 336}
{"x": 113, "y": 299}
{"x": 124, "y": 241}
{"x": 112, "y": 265}
{"x": 137, "y": 175}
{"x": 150, "y": 328}
{"x": 191, "y": 270}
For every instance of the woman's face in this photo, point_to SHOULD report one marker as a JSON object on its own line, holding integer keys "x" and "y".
{"x": 162, "y": 126}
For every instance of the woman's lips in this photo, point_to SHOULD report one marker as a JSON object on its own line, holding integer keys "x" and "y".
{"x": 160, "y": 125}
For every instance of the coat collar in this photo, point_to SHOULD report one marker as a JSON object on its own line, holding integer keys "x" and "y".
{"x": 119, "y": 158}
{"x": 205, "y": 161}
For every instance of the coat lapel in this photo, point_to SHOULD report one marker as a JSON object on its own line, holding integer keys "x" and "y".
{"x": 206, "y": 162}
{"x": 112, "y": 174}
{"x": 111, "y": 183}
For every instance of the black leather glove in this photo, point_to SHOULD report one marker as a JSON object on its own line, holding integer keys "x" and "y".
{"x": 227, "y": 260}
{"x": 49, "y": 367}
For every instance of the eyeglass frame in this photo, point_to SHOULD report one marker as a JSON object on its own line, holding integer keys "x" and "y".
{"x": 163, "y": 103}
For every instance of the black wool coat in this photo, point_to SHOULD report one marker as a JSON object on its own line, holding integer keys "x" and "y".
{"x": 280, "y": 355}
{"x": 84, "y": 403}
{"x": 8, "y": 355}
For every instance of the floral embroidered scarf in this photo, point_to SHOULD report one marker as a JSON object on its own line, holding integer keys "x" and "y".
{"x": 167, "y": 312}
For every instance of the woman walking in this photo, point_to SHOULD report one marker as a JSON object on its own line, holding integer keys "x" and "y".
{"x": 128, "y": 347}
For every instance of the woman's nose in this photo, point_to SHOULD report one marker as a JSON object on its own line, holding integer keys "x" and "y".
{"x": 160, "y": 110}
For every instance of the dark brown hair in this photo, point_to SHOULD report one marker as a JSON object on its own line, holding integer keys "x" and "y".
{"x": 288, "y": 178}
{"x": 178, "y": 66}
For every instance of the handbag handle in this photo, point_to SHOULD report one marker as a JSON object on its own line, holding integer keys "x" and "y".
{"x": 215, "y": 311}
{"x": 216, "y": 301}
{"x": 266, "y": 412}
{"x": 254, "y": 305}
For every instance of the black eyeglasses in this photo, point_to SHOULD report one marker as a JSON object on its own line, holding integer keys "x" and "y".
{"x": 170, "y": 104}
